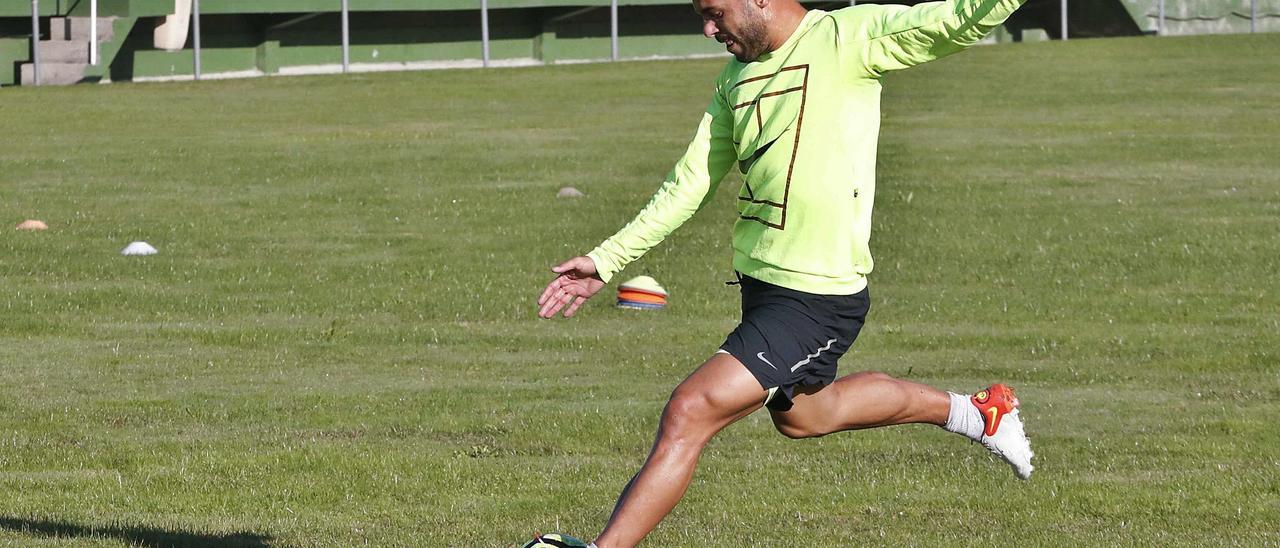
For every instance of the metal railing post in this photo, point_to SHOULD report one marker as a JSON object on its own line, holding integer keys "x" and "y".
{"x": 1064, "y": 19}
{"x": 35, "y": 41}
{"x": 195, "y": 36}
{"x": 1253, "y": 15}
{"x": 93, "y": 32}
{"x": 346, "y": 37}
{"x": 484, "y": 31}
{"x": 613, "y": 30}
{"x": 1160, "y": 20}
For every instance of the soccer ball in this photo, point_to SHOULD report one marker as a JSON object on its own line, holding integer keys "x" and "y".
{"x": 554, "y": 540}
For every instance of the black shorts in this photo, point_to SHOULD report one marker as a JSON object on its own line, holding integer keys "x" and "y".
{"x": 790, "y": 338}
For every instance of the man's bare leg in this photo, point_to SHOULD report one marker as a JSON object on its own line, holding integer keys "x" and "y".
{"x": 868, "y": 400}
{"x": 861, "y": 400}
{"x": 718, "y": 393}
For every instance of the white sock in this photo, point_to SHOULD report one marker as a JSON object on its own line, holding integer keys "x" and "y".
{"x": 964, "y": 418}
{"x": 592, "y": 545}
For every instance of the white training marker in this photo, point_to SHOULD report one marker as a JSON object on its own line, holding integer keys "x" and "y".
{"x": 138, "y": 248}
{"x": 569, "y": 192}
{"x": 32, "y": 224}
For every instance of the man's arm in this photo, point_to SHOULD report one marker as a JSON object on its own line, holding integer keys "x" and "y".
{"x": 688, "y": 187}
{"x": 900, "y": 37}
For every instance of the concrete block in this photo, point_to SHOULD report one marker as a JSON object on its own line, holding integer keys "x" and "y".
{"x": 57, "y": 51}
{"x": 80, "y": 28}
{"x": 52, "y": 74}
{"x": 77, "y": 28}
{"x": 59, "y": 28}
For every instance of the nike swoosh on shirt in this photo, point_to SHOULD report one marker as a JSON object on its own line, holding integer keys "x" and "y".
{"x": 745, "y": 165}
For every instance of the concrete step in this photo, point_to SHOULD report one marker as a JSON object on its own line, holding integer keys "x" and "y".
{"x": 52, "y": 74}
{"x": 58, "y": 51}
{"x": 77, "y": 28}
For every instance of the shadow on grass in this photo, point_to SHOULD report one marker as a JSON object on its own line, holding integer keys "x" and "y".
{"x": 135, "y": 536}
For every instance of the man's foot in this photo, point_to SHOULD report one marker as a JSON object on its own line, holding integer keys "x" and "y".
{"x": 1003, "y": 433}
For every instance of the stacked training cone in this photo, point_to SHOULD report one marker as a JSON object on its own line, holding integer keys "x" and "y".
{"x": 642, "y": 292}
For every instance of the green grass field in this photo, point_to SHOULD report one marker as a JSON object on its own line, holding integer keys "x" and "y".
{"x": 337, "y": 343}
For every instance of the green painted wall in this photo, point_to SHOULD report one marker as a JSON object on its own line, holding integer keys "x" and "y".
{"x": 180, "y": 63}
{"x": 643, "y": 32}
{"x": 12, "y": 48}
{"x": 20, "y": 8}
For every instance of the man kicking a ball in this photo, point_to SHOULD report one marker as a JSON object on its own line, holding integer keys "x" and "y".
{"x": 797, "y": 113}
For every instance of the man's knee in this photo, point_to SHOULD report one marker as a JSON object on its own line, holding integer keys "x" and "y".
{"x": 685, "y": 412}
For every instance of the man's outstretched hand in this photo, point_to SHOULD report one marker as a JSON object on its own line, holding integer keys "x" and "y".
{"x": 577, "y": 282}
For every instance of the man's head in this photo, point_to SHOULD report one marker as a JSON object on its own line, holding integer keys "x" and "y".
{"x": 748, "y": 28}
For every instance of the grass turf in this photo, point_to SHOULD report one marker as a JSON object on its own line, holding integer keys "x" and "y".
{"x": 337, "y": 343}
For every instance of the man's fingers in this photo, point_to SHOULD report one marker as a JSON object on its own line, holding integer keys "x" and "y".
{"x": 582, "y": 265}
{"x": 551, "y": 287}
{"x": 557, "y": 302}
{"x": 550, "y": 307}
{"x": 565, "y": 266}
{"x": 573, "y": 308}
{"x": 568, "y": 289}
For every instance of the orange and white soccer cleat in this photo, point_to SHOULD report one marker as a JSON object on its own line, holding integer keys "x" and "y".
{"x": 1003, "y": 433}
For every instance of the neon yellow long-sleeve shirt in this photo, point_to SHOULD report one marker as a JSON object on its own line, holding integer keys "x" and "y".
{"x": 801, "y": 124}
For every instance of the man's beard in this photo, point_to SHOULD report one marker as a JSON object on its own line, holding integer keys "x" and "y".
{"x": 752, "y": 38}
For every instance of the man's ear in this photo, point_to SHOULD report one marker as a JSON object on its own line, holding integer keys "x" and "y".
{"x": 762, "y": 4}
